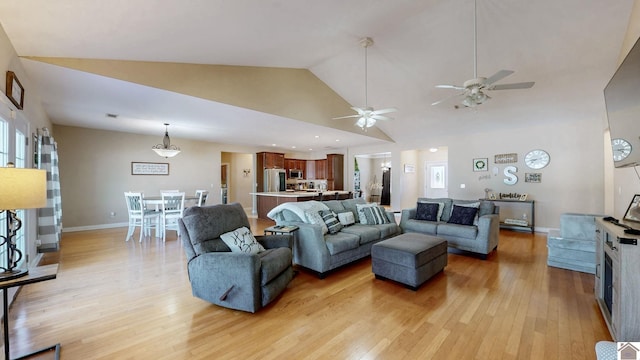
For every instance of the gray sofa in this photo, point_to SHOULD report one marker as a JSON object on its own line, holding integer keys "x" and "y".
{"x": 321, "y": 253}
{"x": 481, "y": 237}
{"x": 235, "y": 280}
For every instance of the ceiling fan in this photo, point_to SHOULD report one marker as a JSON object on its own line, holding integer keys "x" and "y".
{"x": 367, "y": 116}
{"x": 473, "y": 90}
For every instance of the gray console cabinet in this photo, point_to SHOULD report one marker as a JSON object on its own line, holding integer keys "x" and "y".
{"x": 617, "y": 280}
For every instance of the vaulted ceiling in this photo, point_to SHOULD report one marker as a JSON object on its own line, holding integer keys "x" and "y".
{"x": 569, "y": 48}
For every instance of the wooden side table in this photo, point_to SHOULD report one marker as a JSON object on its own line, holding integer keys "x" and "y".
{"x": 37, "y": 274}
{"x": 282, "y": 230}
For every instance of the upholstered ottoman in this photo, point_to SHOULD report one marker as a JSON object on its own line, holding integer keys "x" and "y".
{"x": 410, "y": 258}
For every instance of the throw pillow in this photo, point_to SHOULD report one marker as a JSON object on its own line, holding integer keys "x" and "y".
{"x": 329, "y": 218}
{"x": 440, "y": 208}
{"x": 374, "y": 216}
{"x": 313, "y": 217}
{"x": 242, "y": 240}
{"x": 346, "y": 218}
{"x": 360, "y": 210}
{"x": 473, "y": 204}
{"x": 463, "y": 215}
{"x": 427, "y": 211}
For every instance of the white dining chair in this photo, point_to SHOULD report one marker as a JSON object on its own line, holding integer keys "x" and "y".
{"x": 161, "y": 191}
{"x": 140, "y": 216}
{"x": 202, "y": 197}
{"x": 172, "y": 207}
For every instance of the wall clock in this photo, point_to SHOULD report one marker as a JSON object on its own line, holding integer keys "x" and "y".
{"x": 537, "y": 159}
{"x": 621, "y": 149}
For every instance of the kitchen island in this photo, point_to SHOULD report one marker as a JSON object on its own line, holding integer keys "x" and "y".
{"x": 268, "y": 200}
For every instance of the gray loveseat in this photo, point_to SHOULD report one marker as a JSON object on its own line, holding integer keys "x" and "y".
{"x": 480, "y": 237}
{"x": 321, "y": 252}
{"x": 232, "y": 279}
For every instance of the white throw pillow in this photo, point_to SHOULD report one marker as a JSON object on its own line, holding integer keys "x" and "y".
{"x": 242, "y": 240}
{"x": 346, "y": 218}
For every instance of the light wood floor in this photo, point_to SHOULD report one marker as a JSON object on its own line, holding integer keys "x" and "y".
{"x": 125, "y": 300}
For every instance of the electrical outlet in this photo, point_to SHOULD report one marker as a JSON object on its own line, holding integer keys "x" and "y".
{"x": 112, "y": 214}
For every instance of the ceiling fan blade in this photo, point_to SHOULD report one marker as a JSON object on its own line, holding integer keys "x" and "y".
{"x": 346, "y": 117}
{"x": 450, "y": 87}
{"x": 497, "y": 76}
{"x": 358, "y": 110}
{"x": 522, "y": 85}
{"x": 384, "y": 111}
{"x": 380, "y": 117}
{"x": 448, "y": 98}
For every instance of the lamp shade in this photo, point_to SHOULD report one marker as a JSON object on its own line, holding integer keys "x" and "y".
{"x": 22, "y": 188}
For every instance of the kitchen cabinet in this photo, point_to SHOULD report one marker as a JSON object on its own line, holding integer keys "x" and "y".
{"x": 335, "y": 171}
{"x": 310, "y": 174}
{"x": 267, "y": 160}
{"x": 321, "y": 169}
{"x": 296, "y": 164}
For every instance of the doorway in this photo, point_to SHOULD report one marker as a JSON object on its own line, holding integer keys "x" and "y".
{"x": 385, "y": 198}
{"x": 436, "y": 179}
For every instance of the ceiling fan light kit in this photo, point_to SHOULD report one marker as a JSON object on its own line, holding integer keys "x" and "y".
{"x": 473, "y": 90}
{"x": 367, "y": 116}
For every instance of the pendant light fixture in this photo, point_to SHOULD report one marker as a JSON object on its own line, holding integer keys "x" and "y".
{"x": 165, "y": 149}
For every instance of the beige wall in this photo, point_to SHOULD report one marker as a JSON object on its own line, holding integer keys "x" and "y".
{"x": 95, "y": 171}
{"x": 573, "y": 181}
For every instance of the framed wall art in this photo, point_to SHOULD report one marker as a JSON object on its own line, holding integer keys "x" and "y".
{"x": 149, "y": 168}
{"x": 15, "y": 91}
{"x": 481, "y": 164}
{"x": 633, "y": 211}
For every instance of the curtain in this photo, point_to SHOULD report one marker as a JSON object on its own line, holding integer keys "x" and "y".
{"x": 49, "y": 217}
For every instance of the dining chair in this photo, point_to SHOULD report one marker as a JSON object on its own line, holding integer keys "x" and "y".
{"x": 139, "y": 215}
{"x": 202, "y": 197}
{"x": 161, "y": 191}
{"x": 172, "y": 207}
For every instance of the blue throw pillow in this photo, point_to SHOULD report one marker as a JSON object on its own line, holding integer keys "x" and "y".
{"x": 427, "y": 211}
{"x": 462, "y": 215}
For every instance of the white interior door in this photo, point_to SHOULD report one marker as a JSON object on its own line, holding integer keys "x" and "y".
{"x": 436, "y": 179}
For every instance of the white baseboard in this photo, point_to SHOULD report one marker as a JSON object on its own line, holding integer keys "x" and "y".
{"x": 94, "y": 227}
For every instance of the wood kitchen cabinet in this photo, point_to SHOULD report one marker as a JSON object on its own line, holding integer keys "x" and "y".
{"x": 310, "y": 174}
{"x": 321, "y": 169}
{"x": 335, "y": 171}
{"x": 267, "y": 160}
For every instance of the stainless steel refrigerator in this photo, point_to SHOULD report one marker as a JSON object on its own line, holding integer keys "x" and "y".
{"x": 275, "y": 180}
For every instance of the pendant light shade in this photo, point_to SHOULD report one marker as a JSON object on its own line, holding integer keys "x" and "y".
{"x": 165, "y": 149}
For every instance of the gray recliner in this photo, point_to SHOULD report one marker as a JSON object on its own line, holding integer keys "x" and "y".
{"x": 231, "y": 279}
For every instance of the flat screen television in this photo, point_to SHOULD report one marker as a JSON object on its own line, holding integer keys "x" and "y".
{"x": 622, "y": 99}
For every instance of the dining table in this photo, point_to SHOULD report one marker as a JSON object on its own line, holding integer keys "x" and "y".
{"x": 157, "y": 200}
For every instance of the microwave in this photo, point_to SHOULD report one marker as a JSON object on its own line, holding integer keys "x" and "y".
{"x": 295, "y": 174}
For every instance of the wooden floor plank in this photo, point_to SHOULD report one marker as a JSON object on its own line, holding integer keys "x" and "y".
{"x": 129, "y": 300}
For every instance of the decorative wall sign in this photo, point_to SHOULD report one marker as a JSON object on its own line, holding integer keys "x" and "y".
{"x": 409, "y": 168}
{"x": 523, "y": 197}
{"x": 15, "y": 91}
{"x": 506, "y": 158}
{"x": 533, "y": 177}
{"x": 149, "y": 168}
{"x": 481, "y": 164}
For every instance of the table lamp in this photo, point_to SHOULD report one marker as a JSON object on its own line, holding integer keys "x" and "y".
{"x": 19, "y": 189}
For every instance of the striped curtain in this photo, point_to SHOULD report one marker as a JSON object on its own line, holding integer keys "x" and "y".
{"x": 49, "y": 217}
